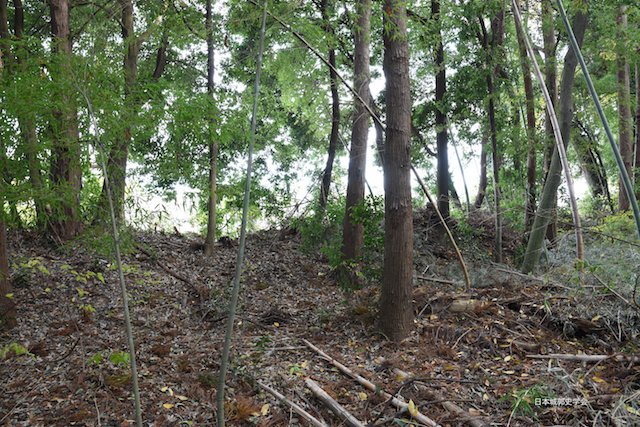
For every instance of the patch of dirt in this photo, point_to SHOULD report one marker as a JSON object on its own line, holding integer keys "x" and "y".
{"x": 470, "y": 348}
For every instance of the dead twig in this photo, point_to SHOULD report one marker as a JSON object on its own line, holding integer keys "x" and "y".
{"x": 304, "y": 414}
{"x": 335, "y": 407}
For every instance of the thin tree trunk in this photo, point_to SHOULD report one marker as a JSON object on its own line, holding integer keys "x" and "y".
{"x": 396, "y": 313}
{"x": 210, "y": 239}
{"x": 551, "y": 81}
{"x": 532, "y": 141}
{"x": 335, "y": 113}
{"x": 625, "y": 123}
{"x": 65, "y": 163}
{"x": 7, "y": 305}
{"x": 119, "y": 152}
{"x": 636, "y": 148}
{"x": 546, "y": 208}
{"x": 482, "y": 182}
{"x": 353, "y": 233}
{"x": 591, "y": 165}
{"x": 441, "y": 117}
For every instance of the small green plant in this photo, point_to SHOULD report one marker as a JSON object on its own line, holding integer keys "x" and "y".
{"x": 17, "y": 349}
{"x": 325, "y": 235}
{"x": 523, "y": 399}
{"x": 120, "y": 358}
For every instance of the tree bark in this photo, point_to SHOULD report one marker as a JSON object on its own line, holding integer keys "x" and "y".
{"x": 7, "y": 305}
{"x": 353, "y": 233}
{"x": 66, "y": 174}
{"x": 396, "y": 313}
{"x": 625, "y": 123}
{"x": 210, "y": 238}
{"x": 546, "y": 209}
{"x": 335, "y": 113}
{"x": 441, "y": 117}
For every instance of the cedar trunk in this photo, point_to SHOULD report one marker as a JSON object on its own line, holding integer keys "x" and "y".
{"x": 396, "y": 311}
{"x": 66, "y": 174}
{"x": 353, "y": 234}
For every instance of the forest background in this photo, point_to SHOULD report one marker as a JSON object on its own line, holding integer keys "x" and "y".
{"x": 139, "y": 81}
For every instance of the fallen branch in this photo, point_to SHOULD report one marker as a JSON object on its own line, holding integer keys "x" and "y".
{"x": 304, "y": 414}
{"x": 169, "y": 271}
{"x": 398, "y": 402}
{"x": 344, "y": 415}
{"x": 448, "y": 405}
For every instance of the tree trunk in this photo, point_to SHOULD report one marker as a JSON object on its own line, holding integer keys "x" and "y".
{"x": 210, "y": 239}
{"x": 353, "y": 234}
{"x": 66, "y": 174}
{"x": 546, "y": 209}
{"x": 335, "y": 114}
{"x": 396, "y": 312}
{"x": 551, "y": 80}
{"x": 636, "y": 148}
{"x": 532, "y": 140}
{"x": 119, "y": 151}
{"x": 7, "y": 305}
{"x": 482, "y": 183}
{"x": 625, "y": 123}
{"x": 441, "y": 117}
{"x": 591, "y": 164}
{"x": 26, "y": 119}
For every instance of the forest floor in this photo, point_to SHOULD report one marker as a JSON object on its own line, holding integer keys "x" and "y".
{"x": 511, "y": 350}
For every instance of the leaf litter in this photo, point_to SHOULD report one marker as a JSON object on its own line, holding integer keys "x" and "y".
{"x": 511, "y": 350}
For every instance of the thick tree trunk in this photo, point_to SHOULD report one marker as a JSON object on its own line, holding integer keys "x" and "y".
{"x": 7, "y": 305}
{"x": 210, "y": 239}
{"x": 441, "y": 117}
{"x": 546, "y": 209}
{"x": 551, "y": 81}
{"x": 396, "y": 312}
{"x": 532, "y": 140}
{"x": 353, "y": 234}
{"x": 66, "y": 174}
{"x": 625, "y": 123}
{"x": 335, "y": 114}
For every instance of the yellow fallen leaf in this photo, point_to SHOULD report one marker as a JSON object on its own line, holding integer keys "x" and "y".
{"x": 599, "y": 380}
{"x": 303, "y": 364}
{"x": 168, "y": 405}
{"x": 164, "y": 389}
{"x": 265, "y": 409}
{"x": 506, "y": 359}
{"x": 631, "y": 410}
{"x": 363, "y": 396}
{"x": 412, "y": 408}
{"x": 276, "y": 324}
{"x": 182, "y": 397}
{"x": 509, "y": 372}
{"x": 595, "y": 319}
